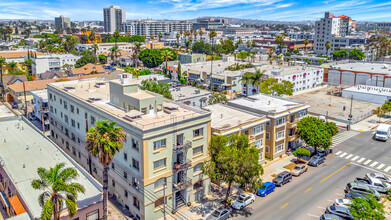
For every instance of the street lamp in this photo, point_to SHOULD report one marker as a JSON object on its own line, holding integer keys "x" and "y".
{"x": 164, "y": 196}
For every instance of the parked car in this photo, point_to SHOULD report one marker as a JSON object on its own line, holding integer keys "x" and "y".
{"x": 351, "y": 195}
{"x": 299, "y": 169}
{"x": 343, "y": 202}
{"x": 316, "y": 160}
{"x": 373, "y": 183}
{"x": 362, "y": 189}
{"x": 383, "y": 178}
{"x": 266, "y": 189}
{"x": 220, "y": 213}
{"x": 330, "y": 217}
{"x": 339, "y": 211}
{"x": 311, "y": 150}
{"x": 324, "y": 152}
{"x": 282, "y": 178}
{"x": 243, "y": 200}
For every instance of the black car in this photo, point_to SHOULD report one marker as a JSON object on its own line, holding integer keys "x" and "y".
{"x": 282, "y": 178}
{"x": 340, "y": 211}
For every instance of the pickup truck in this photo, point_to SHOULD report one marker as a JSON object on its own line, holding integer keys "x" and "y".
{"x": 373, "y": 183}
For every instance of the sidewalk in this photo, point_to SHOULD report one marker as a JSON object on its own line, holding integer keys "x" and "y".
{"x": 212, "y": 201}
{"x": 367, "y": 124}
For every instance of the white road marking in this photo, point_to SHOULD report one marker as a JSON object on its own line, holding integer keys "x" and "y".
{"x": 315, "y": 216}
{"x": 342, "y": 155}
{"x": 387, "y": 169}
{"x": 367, "y": 162}
{"x": 338, "y": 153}
{"x": 330, "y": 200}
{"x": 374, "y": 163}
{"x": 351, "y": 155}
{"x": 361, "y": 160}
{"x": 355, "y": 158}
{"x": 339, "y": 194}
{"x": 381, "y": 166}
{"x": 377, "y": 171}
{"x": 319, "y": 207}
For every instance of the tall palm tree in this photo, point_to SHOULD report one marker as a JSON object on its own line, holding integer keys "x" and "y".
{"x": 328, "y": 46}
{"x": 195, "y": 36}
{"x": 28, "y": 63}
{"x": 27, "y": 32}
{"x": 212, "y": 35}
{"x": 58, "y": 189}
{"x": 160, "y": 35}
{"x": 2, "y": 63}
{"x": 257, "y": 79}
{"x": 201, "y": 33}
{"x": 114, "y": 53}
{"x": 279, "y": 41}
{"x": 167, "y": 54}
{"x": 177, "y": 37}
{"x": 9, "y": 31}
{"x": 306, "y": 42}
{"x": 94, "y": 48}
{"x": 136, "y": 50}
{"x": 116, "y": 36}
{"x": 92, "y": 37}
{"x": 246, "y": 79}
{"x": 12, "y": 66}
{"x": 104, "y": 141}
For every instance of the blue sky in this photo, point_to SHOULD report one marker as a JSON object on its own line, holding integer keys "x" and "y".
{"x": 291, "y": 10}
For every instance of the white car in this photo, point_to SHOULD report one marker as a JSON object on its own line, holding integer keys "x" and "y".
{"x": 383, "y": 178}
{"x": 243, "y": 200}
{"x": 343, "y": 202}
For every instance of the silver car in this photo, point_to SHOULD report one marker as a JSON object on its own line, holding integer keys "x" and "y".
{"x": 220, "y": 214}
{"x": 299, "y": 169}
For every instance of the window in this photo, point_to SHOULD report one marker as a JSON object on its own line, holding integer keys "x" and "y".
{"x": 268, "y": 123}
{"x": 66, "y": 118}
{"x": 280, "y": 135}
{"x": 267, "y": 149}
{"x": 113, "y": 183}
{"x": 92, "y": 119}
{"x": 267, "y": 135}
{"x": 60, "y": 101}
{"x": 302, "y": 113}
{"x": 78, "y": 125}
{"x": 198, "y": 150}
{"x": 135, "y": 144}
{"x": 73, "y": 137}
{"x": 159, "y": 144}
{"x": 112, "y": 166}
{"x": 197, "y": 168}
{"x": 279, "y": 148}
{"x": 51, "y": 109}
{"x": 259, "y": 143}
{"x": 125, "y": 157}
{"x": 258, "y": 129}
{"x": 126, "y": 194}
{"x": 136, "y": 203}
{"x": 125, "y": 175}
{"x": 65, "y": 105}
{"x": 73, "y": 123}
{"x": 72, "y": 109}
{"x": 280, "y": 121}
{"x": 136, "y": 164}
{"x": 94, "y": 215}
{"x": 159, "y": 164}
{"x": 198, "y": 132}
{"x": 159, "y": 182}
{"x": 77, "y": 110}
{"x": 85, "y": 115}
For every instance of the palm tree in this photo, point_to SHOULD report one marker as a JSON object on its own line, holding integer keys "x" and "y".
{"x": 177, "y": 37}
{"x": 306, "y": 42}
{"x": 257, "y": 79}
{"x": 167, "y": 54}
{"x": 94, "y": 48}
{"x": 92, "y": 37}
{"x": 279, "y": 41}
{"x": 107, "y": 37}
{"x": 2, "y": 63}
{"x": 28, "y": 63}
{"x": 212, "y": 34}
{"x": 27, "y": 32}
{"x": 9, "y": 31}
{"x": 195, "y": 36}
{"x": 160, "y": 35}
{"x": 58, "y": 189}
{"x": 116, "y": 36}
{"x": 246, "y": 79}
{"x": 114, "y": 53}
{"x": 104, "y": 141}
{"x": 201, "y": 33}
{"x": 12, "y": 66}
{"x": 136, "y": 49}
{"x": 328, "y": 46}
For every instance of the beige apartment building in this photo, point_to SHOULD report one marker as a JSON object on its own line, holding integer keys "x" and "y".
{"x": 227, "y": 120}
{"x": 283, "y": 113}
{"x": 166, "y": 141}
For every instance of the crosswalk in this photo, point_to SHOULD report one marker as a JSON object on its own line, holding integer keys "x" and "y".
{"x": 341, "y": 137}
{"x": 364, "y": 161}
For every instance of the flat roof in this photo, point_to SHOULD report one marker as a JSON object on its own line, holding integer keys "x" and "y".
{"x": 23, "y": 156}
{"x": 5, "y": 112}
{"x": 365, "y": 67}
{"x": 284, "y": 69}
{"x": 375, "y": 90}
{"x": 187, "y": 92}
{"x": 85, "y": 89}
{"x": 267, "y": 103}
{"x": 43, "y": 93}
{"x": 226, "y": 117}
{"x": 218, "y": 66}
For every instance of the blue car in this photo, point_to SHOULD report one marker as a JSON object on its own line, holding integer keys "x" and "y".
{"x": 267, "y": 188}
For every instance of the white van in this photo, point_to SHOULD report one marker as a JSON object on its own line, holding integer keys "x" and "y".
{"x": 383, "y": 132}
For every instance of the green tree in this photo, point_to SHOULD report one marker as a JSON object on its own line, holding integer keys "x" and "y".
{"x": 227, "y": 46}
{"x": 2, "y": 64}
{"x": 102, "y": 58}
{"x": 387, "y": 106}
{"x": 114, "y": 53}
{"x": 240, "y": 41}
{"x": 315, "y": 133}
{"x": 104, "y": 141}
{"x": 218, "y": 97}
{"x": 153, "y": 86}
{"x": 166, "y": 55}
{"x": 151, "y": 58}
{"x": 85, "y": 60}
{"x": 306, "y": 42}
{"x": 356, "y": 54}
{"x": 327, "y": 46}
{"x": 339, "y": 54}
{"x": 273, "y": 87}
{"x": 116, "y": 36}
{"x": 379, "y": 111}
{"x": 28, "y": 63}
{"x": 246, "y": 79}
{"x": 367, "y": 208}
{"x": 58, "y": 189}
{"x": 145, "y": 72}
{"x": 202, "y": 47}
{"x": 137, "y": 38}
{"x": 242, "y": 55}
{"x": 300, "y": 152}
{"x": 233, "y": 161}
{"x": 12, "y": 66}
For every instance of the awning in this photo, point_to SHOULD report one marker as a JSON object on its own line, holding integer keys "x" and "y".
{"x": 16, "y": 205}
{"x": 187, "y": 102}
{"x": 203, "y": 99}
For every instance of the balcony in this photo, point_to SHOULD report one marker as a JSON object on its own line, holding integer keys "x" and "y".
{"x": 291, "y": 138}
{"x": 182, "y": 165}
{"x": 182, "y": 147}
{"x": 291, "y": 123}
{"x": 187, "y": 182}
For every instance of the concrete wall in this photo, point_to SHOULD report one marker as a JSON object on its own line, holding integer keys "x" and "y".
{"x": 367, "y": 97}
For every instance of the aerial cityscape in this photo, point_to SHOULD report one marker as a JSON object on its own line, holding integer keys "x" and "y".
{"x": 193, "y": 110}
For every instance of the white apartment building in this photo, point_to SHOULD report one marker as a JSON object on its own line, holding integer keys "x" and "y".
{"x": 153, "y": 28}
{"x": 166, "y": 141}
{"x": 332, "y": 29}
{"x": 106, "y": 47}
{"x": 40, "y": 106}
{"x": 113, "y": 18}
{"x": 52, "y": 62}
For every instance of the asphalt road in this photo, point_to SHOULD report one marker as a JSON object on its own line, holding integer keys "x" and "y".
{"x": 307, "y": 196}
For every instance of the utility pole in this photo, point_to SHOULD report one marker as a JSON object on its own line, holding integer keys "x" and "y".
{"x": 350, "y": 115}
{"x": 164, "y": 198}
{"x": 25, "y": 102}
{"x": 42, "y": 119}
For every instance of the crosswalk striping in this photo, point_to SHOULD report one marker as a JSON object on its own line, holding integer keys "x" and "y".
{"x": 380, "y": 166}
{"x": 355, "y": 158}
{"x": 341, "y": 137}
{"x": 351, "y": 155}
{"x": 338, "y": 153}
{"x": 361, "y": 160}
{"x": 342, "y": 155}
{"x": 373, "y": 164}
{"x": 387, "y": 169}
{"x": 367, "y": 162}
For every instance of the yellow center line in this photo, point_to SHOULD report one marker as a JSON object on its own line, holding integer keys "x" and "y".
{"x": 308, "y": 190}
{"x": 336, "y": 171}
{"x": 284, "y": 206}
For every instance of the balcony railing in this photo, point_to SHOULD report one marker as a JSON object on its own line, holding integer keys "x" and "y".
{"x": 182, "y": 147}
{"x": 187, "y": 182}
{"x": 181, "y": 165}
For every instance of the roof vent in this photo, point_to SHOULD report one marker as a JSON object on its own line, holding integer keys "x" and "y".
{"x": 133, "y": 115}
{"x": 94, "y": 98}
{"x": 70, "y": 88}
{"x": 170, "y": 108}
{"x": 100, "y": 84}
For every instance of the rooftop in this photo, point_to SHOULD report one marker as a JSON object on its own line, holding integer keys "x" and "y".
{"x": 283, "y": 69}
{"x": 266, "y": 103}
{"x": 86, "y": 89}
{"x": 23, "y": 156}
{"x": 17, "y": 54}
{"x": 187, "y": 92}
{"x": 43, "y": 93}
{"x": 365, "y": 67}
{"x": 370, "y": 90}
{"x": 218, "y": 66}
{"x": 5, "y": 112}
{"x": 225, "y": 117}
